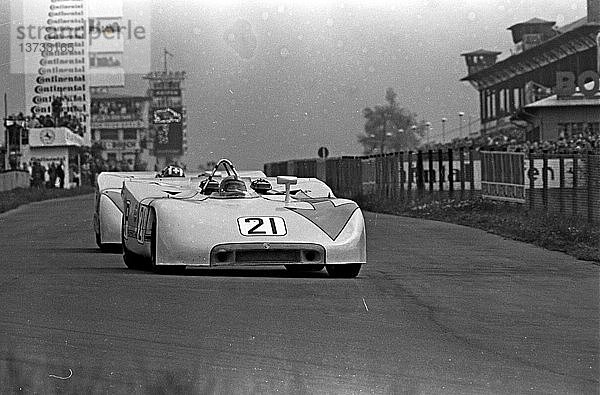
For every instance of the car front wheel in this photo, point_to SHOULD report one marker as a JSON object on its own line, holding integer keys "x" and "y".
{"x": 349, "y": 270}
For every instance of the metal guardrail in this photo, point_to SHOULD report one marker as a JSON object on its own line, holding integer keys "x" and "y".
{"x": 568, "y": 184}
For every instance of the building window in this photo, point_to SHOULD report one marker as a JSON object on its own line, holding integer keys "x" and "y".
{"x": 109, "y": 134}
{"x": 130, "y": 134}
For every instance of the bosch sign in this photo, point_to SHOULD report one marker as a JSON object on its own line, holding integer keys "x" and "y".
{"x": 566, "y": 83}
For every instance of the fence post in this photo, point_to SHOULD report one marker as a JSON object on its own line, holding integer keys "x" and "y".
{"x": 472, "y": 171}
{"x": 545, "y": 180}
{"x": 441, "y": 170}
{"x": 402, "y": 174}
{"x": 588, "y": 178}
{"x": 461, "y": 152}
{"x": 575, "y": 184}
{"x": 450, "y": 173}
{"x": 420, "y": 175}
{"x": 431, "y": 177}
{"x": 394, "y": 175}
{"x": 561, "y": 187}
{"x": 531, "y": 181}
{"x": 359, "y": 177}
{"x": 409, "y": 174}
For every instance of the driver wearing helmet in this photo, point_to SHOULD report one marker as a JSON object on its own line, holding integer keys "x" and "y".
{"x": 171, "y": 171}
{"x": 232, "y": 186}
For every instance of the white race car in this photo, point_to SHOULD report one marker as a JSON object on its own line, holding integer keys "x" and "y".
{"x": 235, "y": 221}
{"x": 108, "y": 209}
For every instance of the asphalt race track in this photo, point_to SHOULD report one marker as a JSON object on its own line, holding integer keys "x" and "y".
{"x": 439, "y": 309}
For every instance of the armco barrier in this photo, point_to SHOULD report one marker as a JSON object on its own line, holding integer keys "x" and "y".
{"x": 562, "y": 184}
{"x": 13, "y": 179}
{"x": 396, "y": 175}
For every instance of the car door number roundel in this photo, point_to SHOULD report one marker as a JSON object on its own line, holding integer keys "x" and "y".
{"x": 262, "y": 226}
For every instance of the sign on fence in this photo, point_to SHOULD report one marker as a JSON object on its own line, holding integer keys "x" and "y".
{"x": 503, "y": 176}
{"x": 443, "y": 172}
{"x": 553, "y": 173}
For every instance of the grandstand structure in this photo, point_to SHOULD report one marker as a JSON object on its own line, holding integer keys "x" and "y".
{"x": 529, "y": 74}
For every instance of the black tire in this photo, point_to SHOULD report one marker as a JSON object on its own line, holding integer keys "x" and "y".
{"x": 349, "y": 270}
{"x": 107, "y": 247}
{"x": 304, "y": 268}
{"x": 132, "y": 260}
{"x": 98, "y": 241}
{"x": 161, "y": 269}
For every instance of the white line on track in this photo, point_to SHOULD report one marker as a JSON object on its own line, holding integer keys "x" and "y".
{"x": 62, "y": 378}
{"x": 365, "y": 303}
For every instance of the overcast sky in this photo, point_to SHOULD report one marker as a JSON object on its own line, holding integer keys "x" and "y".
{"x": 275, "y": 80}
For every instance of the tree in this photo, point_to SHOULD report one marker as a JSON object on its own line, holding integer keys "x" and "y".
{"x": 389, "y": 127}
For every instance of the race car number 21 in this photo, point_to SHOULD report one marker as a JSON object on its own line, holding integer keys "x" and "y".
{"x": 262, "y": 226}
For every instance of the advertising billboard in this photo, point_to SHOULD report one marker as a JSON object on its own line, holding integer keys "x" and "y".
{"x": 168, "y": 125}
{"x": 169, "y": 139}
{"x": 55, "y": 58}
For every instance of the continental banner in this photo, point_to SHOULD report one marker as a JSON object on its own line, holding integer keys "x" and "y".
{"x": 503, "y": 176}
{"x": 55, "y": 57}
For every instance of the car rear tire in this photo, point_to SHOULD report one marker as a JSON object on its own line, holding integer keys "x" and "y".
{"x": 304, "y": 268}
{"x": 107, "y": 247}
{"x": 161, "y": 269}
{"x": 349, "y": 270}
{"x": 99, "y": 241}
{"x": 132, "y": 260}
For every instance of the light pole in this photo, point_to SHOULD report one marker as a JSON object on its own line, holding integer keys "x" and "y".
{"x": 460, "y": 121}
{"x": 413, "y": 129}
{"x": 428, "y": 124}
{"x": 444, "y": 130}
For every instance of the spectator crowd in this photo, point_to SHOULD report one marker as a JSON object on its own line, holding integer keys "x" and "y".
{"x": 75, "y": 124}
{"x": 582, "y": 142}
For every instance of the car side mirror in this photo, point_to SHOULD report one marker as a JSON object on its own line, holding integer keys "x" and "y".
{"x": 287, "y": 181}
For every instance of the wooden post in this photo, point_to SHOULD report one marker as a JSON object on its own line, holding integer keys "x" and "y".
{"x": 545, "y": 179}
{"x": 590, "y": 205}
{"x": 461, "y": 152}
{"x": 441, "y": 169}
{"x": 471, "y": 171}
{"x": 402, "y": 175}
{"x": 409, "y": 173}
{"x": 420, "y": 175}
{"x": 431, "y": 178}
{"x": 561, "y": 180}
{"x": 531, "y": 181}
{"x": 575, "y": 182}
{"x": 450, "y": 173}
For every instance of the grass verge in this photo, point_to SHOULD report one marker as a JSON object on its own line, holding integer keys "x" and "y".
{"x": 17, "y": 197}
{"x": 573, "y": 236}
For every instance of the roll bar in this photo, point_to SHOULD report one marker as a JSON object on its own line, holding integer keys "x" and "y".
{"x": 227, "y": 165}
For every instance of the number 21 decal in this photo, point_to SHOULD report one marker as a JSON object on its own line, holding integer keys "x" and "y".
{"x": 262, "y": 226}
